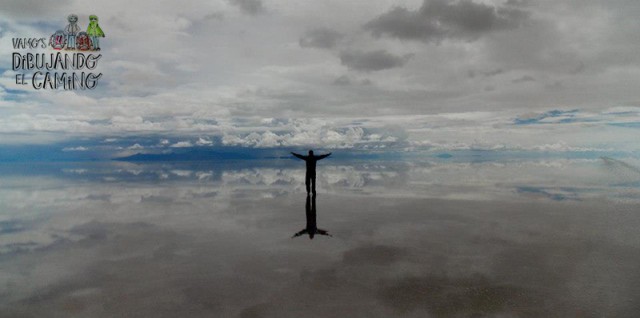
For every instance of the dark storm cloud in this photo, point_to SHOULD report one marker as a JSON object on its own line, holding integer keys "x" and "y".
{"x": 342, "y": 80}
{"x": 31, "y": 9}
{"x": 372, "y": 61}
{"x": 440, "y": 19}
{"x": 214, "y": 16}
{"x": 525, "y": 78}
{"x": 252, "y": 7}
{"x": 321, "y": 38}
{"x": 518, "y": 2}
{"x": 489, "y": 73}
{"x": 555, "y": 86}
{"x": 345, "y": 80}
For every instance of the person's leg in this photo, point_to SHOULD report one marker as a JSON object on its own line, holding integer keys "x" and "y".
{"x": 313, "y": 184}
{"x": 95, "y": 43}
{"x": 307, "y": 179}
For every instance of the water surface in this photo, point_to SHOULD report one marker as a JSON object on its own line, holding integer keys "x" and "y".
{"x": 539, "y": 238}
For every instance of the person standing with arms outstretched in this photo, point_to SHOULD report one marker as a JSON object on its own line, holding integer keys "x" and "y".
{"x": 310, "y": 177}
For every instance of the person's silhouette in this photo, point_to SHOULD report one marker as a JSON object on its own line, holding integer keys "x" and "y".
{"x": 310, "y": 177}
{"x": 312, "y": 227}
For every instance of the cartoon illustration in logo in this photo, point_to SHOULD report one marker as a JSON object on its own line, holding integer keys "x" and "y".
{"x": 83, "y": 42}
{"x": 58, "y": 40}
{"x": 95, "y": 32}
{"x": 71, "y": 31}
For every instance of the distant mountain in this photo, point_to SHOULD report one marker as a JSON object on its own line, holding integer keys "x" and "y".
{"x": 97, "y": 150}
{"x": 45, "y": 153}
{"x": 240, "y": 153}
{"x": 202, "y": 154}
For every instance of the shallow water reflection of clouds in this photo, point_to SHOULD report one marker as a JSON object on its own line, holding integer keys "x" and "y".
{"x": 509, "y": 239}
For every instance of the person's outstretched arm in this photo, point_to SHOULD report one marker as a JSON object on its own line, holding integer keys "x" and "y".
{"x": 299, "y": 156}
{"x": 324, "y": 156}
{"x": 300, "y": 233}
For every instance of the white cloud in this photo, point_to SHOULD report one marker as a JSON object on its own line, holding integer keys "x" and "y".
{"x": 203, "y": 142}
{"x": 250, "y": 83}
{"x": 135, "y": 147}
{"x": 307, "y": 132}
{"x": 182, "y": 144}
{"x": 182, "y": 173}
{"x": 79, "y": 148}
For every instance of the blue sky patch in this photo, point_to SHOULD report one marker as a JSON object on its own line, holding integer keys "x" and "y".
{"x": 633, "y": 124}
{"x": 550, "y": 114}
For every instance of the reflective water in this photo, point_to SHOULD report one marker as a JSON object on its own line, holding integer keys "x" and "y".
{"x": 540, "y": 238}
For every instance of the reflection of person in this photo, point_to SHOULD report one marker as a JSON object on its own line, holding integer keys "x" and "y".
{"x": 310, "y": 177}
{"x": 312, "y": 227}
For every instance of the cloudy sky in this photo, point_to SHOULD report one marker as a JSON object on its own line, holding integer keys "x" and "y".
{"x": 432, "y": 74}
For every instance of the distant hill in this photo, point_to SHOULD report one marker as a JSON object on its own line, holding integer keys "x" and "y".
{"x": 198, "y": 154}
{"x": 238, "y": 153}
{"x": 95, "y": 150}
